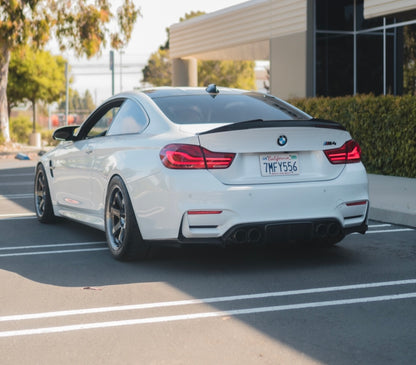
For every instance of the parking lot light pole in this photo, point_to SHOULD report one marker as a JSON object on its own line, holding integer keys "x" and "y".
{"x": 66, "y": 93}
{"x": 121, "y": 70}
{"x": 112, "y": 71}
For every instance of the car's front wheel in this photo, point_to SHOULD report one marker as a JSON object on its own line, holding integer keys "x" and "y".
{"x": 43, "y": 202}
{"x": 123, "y": 235}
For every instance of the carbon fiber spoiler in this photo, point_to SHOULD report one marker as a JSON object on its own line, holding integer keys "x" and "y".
{"x": 259, "y": 123}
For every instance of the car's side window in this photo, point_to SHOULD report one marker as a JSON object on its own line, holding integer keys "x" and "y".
{"x": 101, "y": 126}
{"x": 130, "y": 119}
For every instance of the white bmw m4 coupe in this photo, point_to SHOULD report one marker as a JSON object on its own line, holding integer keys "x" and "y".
{"x": 204, "y": 166}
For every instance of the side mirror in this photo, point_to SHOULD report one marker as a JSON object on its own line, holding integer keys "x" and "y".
{"x": 65, "y": 133}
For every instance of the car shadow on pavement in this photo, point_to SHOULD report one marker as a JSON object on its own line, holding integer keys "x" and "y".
{"x": 45, "y": 252}
{"x": 49, "y": 254}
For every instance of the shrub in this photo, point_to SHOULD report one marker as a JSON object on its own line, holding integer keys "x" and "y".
{"x": 384, "y": 126}
{"x": 20, "y": 129}
{"x": 47, "y": 137}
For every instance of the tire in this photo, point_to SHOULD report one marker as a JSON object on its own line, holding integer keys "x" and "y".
{"x": 122, "y": 231}
{"x": 43, "y": 202}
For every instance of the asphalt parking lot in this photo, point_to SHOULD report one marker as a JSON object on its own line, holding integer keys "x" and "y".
{"x": 65, "y": 300}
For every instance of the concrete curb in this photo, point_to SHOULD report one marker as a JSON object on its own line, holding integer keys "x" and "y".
{"x": 389, "y": 216}
{"x": 393, "y": 199}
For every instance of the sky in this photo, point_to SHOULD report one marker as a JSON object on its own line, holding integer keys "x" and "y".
{"x": 149, "y": 33}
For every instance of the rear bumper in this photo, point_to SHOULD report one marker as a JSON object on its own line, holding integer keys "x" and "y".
{"x": 326, "y": 230}
{"x": 164, "y": 209}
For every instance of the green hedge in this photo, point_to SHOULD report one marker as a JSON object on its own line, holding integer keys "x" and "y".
{"x": 21, "y": 127}
{"x": 384, "y": 126}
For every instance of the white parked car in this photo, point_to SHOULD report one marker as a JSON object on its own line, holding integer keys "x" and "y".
{"x": 204, "y": 166}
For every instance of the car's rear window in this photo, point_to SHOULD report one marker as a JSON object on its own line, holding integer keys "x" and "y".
{"x": 226, "y": 108}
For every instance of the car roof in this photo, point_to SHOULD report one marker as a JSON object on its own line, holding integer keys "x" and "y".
{"x": 160, "y": 92}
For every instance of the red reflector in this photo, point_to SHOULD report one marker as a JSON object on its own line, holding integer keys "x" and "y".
{"x": 198, "y": 212}
{"x": 187, "y": 156}
{"x": 352, "y": 204}
{"x": 72, "y": 201}
{"x": 350, "y": 152}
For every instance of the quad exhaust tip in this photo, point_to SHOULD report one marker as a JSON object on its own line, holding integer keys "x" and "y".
{"x": 247, "y": 235}
{"x": 253, "y": 235}
{"x": 327, "y": 230}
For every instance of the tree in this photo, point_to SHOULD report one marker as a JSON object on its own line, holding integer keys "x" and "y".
{"x": 80, "y": 25}
{"x": 238, "y": 74}
{"x": 192, "y": 14}
{"x": 87, "y": 103}
{"x": 76, "y": 103}
{"x": 35, "y": 75}
{"x": 158, "y": 70}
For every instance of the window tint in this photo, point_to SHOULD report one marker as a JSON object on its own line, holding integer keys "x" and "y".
{"x": 130, "y": 119}
{"x": 101, "y": 126}
{"x": 226, "y": 108}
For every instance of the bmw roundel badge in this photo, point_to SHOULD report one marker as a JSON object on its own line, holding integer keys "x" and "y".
{"x": 281, "y": 141}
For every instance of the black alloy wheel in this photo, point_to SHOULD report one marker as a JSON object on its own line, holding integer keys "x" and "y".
{"x": 43, "y": 203}
{"x": 117, "y": 213}
{"x": 123, "y": 236}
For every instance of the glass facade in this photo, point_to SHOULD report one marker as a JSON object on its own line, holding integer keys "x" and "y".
{"x": 356, "y": 55}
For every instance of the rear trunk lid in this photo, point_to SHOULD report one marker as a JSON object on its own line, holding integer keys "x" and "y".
{"x": 276, "y": 152}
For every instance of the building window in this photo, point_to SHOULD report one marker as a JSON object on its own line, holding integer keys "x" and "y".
{"x": 369, "y": 63}
{"x": 357, "y": 55}
{"x": 409, "y": 59}
{"x": 334, "y": 52}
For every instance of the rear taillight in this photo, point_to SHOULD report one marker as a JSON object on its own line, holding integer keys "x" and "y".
{"x": 187, "y": 156}
{"x": 350, "y": 152}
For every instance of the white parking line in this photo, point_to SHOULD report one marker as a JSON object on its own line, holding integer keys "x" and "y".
{"x": 52, "y": 252}
{"x": 16, "y": 196}
{"x": 50, "y": 246}
{"x": 17, "y": 183}
{"x": 20, "y": 317}
{"x": 14, "y": 216}
{"x": 185, "y": 317}
{"x": 391, "y": 230}
{"x": 404, "y": 229}
{"x": 19, "y": 175}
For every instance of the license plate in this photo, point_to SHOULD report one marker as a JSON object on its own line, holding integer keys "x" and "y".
{"x": 279, "y": 164}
